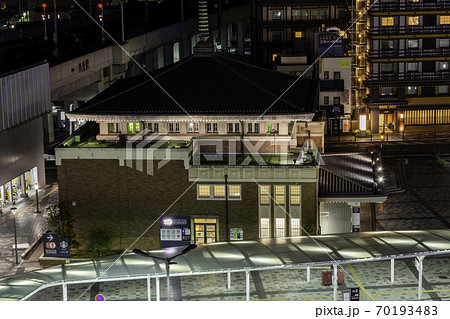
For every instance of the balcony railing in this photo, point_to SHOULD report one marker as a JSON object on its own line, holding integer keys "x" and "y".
{"x": 408, "y": 30}
{"x": 437, "y": 75}
{"x": 383, "y": 53}
{"x": 409, "y": 6}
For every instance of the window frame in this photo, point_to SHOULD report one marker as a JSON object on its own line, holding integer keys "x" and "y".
{"x": 408, "y": 64}
{"x": 212, "y": 192}
{"x": 412, "y": 92}
{"x": 413, "y": 21}
{"x": 295, "y": 225}
{"x": 388, "y": 21}
{"x": 264, "y": 193}
{"x": 442, "y": 64}
{"x": 293, "y": 194}
{"x": 280, "y": 198}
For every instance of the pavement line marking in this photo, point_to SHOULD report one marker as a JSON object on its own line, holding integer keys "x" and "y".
{"x": 32, "y": 204}
{"x": 365, "y": 293}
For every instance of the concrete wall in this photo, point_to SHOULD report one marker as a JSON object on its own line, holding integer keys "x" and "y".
{"x": 21, "y": 149}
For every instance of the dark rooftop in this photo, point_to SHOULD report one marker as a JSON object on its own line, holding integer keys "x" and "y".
{"x": 205, "y": 85}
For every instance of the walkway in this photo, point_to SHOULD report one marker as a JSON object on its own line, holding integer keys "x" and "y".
{"x": 28, "y": 225}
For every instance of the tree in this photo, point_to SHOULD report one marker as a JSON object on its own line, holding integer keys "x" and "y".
{"x": 100, "y": 243}
{"x": 61, "y": 223}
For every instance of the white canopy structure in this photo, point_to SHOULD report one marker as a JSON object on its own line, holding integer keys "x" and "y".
{"x": 240, "y": 256}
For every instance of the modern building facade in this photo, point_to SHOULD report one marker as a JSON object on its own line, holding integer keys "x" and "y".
{"x": 407, "y": 65}
{"x": 24, "y": 99}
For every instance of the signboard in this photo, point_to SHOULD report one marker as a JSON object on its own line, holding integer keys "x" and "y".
{"x": 175, "y": 231}
{"x": 51, "y": 244}
{"x": 64, "y": 247}
{"x": 236, "y": 234}
{"x": 330, "y": 45}
{"x": 354, "y": 294}
{"x": 99, "y": 297}
{"x": 345, "y": 63}
{"x": 356, "y": 219}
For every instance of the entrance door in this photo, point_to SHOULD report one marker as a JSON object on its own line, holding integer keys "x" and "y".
{"x": 334, "y": 127}
{"x": 205, "y": 230}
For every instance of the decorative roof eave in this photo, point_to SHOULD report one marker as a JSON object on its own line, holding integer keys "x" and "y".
{"x": 303, "y": 117}
{"x": 361, "y": 198}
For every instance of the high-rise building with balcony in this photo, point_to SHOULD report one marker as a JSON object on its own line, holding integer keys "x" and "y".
{"x": 406, "y": 58}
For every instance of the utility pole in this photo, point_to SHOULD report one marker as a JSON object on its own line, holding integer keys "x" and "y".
{"x": 55, "y": 34}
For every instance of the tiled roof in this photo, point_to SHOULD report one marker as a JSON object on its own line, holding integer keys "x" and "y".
{"x": 206, "y": 85}
{"x": 351, "y": 173}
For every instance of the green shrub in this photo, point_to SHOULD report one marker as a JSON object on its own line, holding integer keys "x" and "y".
{"x": 100, "y": 243}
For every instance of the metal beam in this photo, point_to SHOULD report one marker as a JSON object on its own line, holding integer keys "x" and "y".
{"x": 157, "y": 289}
{"x": 247, "y": 285}
{"x": 149, "y": 289}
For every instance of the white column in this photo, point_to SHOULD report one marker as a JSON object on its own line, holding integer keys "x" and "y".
{"x": 335, "y": 285}
{"x": 247, "y": 285}
{"x": 64, "y": 287}
{"x": 420, "y": 275}
{"x": 149, "y": 291}
{"x": 308, "y": 274}
{"x": 229, "y": 280}
{"x": 157, "y": 289}
{"x": 392, "y": 269}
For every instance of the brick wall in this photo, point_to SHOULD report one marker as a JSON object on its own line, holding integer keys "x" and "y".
{"x": 126, "y": 202}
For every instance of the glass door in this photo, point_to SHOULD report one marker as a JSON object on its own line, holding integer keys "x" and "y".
{"x": 205, "y": 230}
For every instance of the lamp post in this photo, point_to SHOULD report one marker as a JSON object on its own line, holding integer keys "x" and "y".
{"x": 167, "y": 261}
{"x": 13, "y": 210}
{"x": 44, "y": 5}
{"x": 274, "y": 132}
{"x": 36, "y": 187}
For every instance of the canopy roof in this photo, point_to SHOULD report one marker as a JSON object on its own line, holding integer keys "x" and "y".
{"x": 263, "y": 254}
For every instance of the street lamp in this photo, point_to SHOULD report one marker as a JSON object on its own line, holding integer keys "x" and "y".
{"x": 36, "y": 187}
{"x": 44, "y": 17}
{"x": 274, "y": 132}
{"x": 13, "y": 210}
{"x": 167, "y": 261}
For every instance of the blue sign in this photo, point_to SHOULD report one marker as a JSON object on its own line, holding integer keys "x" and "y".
{"x": 99, "y": 297}
{"x": 330, "y": 45}
{"x": 175, "y": 231}
{"x": 51, "y": 244}
{"x": 64, "y": 247}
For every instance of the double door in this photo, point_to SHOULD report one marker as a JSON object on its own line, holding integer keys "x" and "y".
{"x": 205, "y": 231}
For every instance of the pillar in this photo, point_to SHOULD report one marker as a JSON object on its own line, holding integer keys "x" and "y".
{"x": 392, "y": 269}
{"x": 185, "y": 48}
{"x": 229, "y": 280}
{"x": 308, "y": 274}
{"x": 240, "y": 38}
{"x": 335, "y": 282}
{"x": 420, "y": 268}
{"x": 374, "y": 120}
{"x": 247, "y": 285}
{"x": 157, "y": 289}
{"x": 149, "y": 290}
{"x": 64, "y": 287}
{"x": 168, "y": 54}
{"x": 224, "y": 38}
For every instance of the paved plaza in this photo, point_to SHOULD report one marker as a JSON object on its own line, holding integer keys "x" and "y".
{"x": 424, "y": 205}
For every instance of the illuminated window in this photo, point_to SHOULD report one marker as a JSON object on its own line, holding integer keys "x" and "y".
{"x": 112, "y": 127}
{"x": 387, "y": 44}
{"x": 362, "y": 122}
{"x": 413, "y": 44}
{"x": 412, "y": 66}
{"x": 387, "y": 91}
{"x": 274, "y": 56}
{"x": 280, "y": 229}
{"x": 219, "y": 191}
{"x": 204, "y": 191}
{"x": 415, "y": 1}
{"x": 234, "y": 191}
{"x": 196, "y": 127}
{"x": 294, "y": 195}
{"x": 412, "y": 90}
{"x": 444, "y": 43}
{"x": 444, "y": 20}
{"x": 264, "y": 195}
{"x": 413, "y": 20}
{"x": 298, "y": 34}
{"x": 280, "y": 195}
{"x": 269, "y": 127}
{"x": 387, "y": 21}
{"x": 276, "y": 15}
{"x": 190, "y": 127}
{"x": 295, "y": 226}
{"x": 300, "y": 14}
{"x": 443, "y": 66}
{"x": 265, "y": 228}
{"x": 133, "y": 127}
{"x": 443, "y": 89}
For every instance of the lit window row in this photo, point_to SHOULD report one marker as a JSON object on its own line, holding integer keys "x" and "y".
{"x": 415, "y": 20}
{"x": 279, "y": 195}
{"x": 280, "y": 227}
{"x": 217, "y": 191}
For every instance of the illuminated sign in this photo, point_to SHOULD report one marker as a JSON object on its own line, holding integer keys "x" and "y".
{"x": 167, "y": 222}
